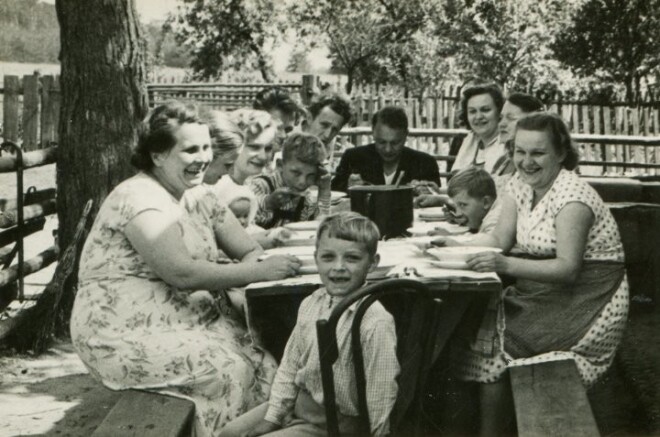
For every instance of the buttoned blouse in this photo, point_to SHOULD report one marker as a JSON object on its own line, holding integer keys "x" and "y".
{"x": 536, "y": 229}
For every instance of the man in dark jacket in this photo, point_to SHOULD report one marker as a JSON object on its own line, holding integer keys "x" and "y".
{"x": 388, "y": 159}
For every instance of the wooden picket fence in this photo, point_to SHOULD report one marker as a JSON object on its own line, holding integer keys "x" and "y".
{"x": 31, "y": 113}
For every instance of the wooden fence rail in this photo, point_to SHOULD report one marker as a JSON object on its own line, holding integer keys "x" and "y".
{"x": 31, "y": 116}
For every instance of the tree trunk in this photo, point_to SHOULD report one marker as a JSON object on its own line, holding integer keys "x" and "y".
{"x": 350, "y": 77}
{"x": 103, "y": 99}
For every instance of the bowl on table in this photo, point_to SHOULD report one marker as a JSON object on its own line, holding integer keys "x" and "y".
{"x": 300, "y": 238}
{"x": 455, "y": 257}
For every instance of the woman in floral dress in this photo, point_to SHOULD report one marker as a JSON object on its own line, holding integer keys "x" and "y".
{"x": 148, "y": 313}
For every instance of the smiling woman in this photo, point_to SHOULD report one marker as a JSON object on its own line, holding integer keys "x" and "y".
{"x": 150, "y": 312}
{"x": 480, "y": 111}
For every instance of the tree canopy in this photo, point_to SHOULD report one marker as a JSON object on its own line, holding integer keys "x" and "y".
{"x": 615, "y": 40}
{"x": 224, "y": 34}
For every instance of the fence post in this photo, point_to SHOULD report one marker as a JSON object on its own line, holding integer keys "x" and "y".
{"x": 307, "y": 89}
{"x": 10, "y": 109}
{"x": 30, "y": 112}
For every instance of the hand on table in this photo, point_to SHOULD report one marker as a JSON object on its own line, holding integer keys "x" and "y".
{"x": 488, "y": 262}
{"x": 424, "y": 187}
{"x": 444, "y": 241}
{"x": 429, "y": 200}
{"x": 355, "y": 179}
{"x": 278, "y": 236}
{"x": 280, "y": 197}
{"x": 279, "y": 267}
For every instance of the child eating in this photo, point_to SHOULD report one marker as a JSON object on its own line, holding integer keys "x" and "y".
{"x": 474, "y": 195}
{"x": 346, "y": 245}
{"x": 283, "y": 197}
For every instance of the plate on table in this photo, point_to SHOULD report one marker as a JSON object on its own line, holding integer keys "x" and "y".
{"x": 454, "y": 265}
{"x": 458, "y": 254}
{"x": 311, "y": 225}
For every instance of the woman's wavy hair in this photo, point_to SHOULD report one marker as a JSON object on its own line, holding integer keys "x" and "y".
{"x": 560, "y": 136}
{"x": 252, "y": 122}
{"x": 475, "y": 90}
{"x": 226, "y": 136}
{"x": 156, "y": 133}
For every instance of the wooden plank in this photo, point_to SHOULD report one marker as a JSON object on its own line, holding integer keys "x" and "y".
{"x": 39, "y": 262}
{"x": 10, "y": 126}
{"x": 30, "y": 112}
{"x": 610, "y": 150}
{"x": 639, "y": 153}
{"x": 41, "y": 209}
{"x": 8, "y": 236}
{"x": 550, "y": 399}
{"x": 48, "y": 126}
{"x": 35, "y": 158}
{"x": 32, "y": 197}
{"x": 142, "y": 414}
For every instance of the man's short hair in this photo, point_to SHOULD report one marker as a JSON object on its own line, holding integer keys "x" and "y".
{"x": 350, "y": 226}
{"x": 476, "y": 181}
{"x": 392, "y": 116}
{"x": 526, "y": 102}
{"x": 337, "y": 103}
{"x": 304, "y": 147}
{"x": 276, "y": 98}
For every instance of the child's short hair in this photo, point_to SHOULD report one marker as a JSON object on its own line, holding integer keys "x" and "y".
{"x": 350, "y": 226}
{"x": 476, "y": 181}
{"x": 304, "y": 147}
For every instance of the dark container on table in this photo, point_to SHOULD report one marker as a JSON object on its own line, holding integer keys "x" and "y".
{"x": 389, "y": 206}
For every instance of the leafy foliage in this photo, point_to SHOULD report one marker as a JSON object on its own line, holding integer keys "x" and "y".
{"x": 615, "y": 40}
{"x": 226, "y": 34}
{"x": 358, "y": 32}
{"x": 28, "y": 31}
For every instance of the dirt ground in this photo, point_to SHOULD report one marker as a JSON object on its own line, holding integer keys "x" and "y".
{"x": 50, "y": 395}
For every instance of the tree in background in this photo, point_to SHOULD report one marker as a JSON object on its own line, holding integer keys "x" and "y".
{"x": 507, "y": 42}
{"x": 225, "y": 34}
{"x": 28, "y": 31}
{"x": 616, "y": 40}
{"x": 357, "y": 32}
{"x": 103, "y": 101}
{"x": 162, "y": 48}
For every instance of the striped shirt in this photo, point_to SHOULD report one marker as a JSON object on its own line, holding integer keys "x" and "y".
{"x": 300, "y": 366}
{"x": 268, "y": 218}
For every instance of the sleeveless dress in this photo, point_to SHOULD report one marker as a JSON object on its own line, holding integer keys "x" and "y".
{"x": 539, "y": 322}
{"x": 133, "y": 330}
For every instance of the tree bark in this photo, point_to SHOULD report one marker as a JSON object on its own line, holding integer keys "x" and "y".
{"x": 103, "y": 86}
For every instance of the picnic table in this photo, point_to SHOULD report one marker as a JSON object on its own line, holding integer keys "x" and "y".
{"x": 272, "y": 306}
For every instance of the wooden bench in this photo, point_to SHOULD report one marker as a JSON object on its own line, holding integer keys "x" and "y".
{"x": 550, "y": 399}
{"x": 143, "y": 414}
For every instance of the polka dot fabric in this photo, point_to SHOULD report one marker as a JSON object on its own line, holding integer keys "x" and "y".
{"x": 536, "y": 230}
{"x": 536, "y": 235}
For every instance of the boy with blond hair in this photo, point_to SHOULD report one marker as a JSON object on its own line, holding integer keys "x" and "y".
{"x": 346, "y": 246}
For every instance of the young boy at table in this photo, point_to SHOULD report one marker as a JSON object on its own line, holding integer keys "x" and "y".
{"x": 474, "y": 195}
{"x": 346, "y": 245}
{"x": 473, "y": 192}
{"x": 283, "y": 197}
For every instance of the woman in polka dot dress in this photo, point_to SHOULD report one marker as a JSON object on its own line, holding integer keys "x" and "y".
{"x": 570, "y": 299}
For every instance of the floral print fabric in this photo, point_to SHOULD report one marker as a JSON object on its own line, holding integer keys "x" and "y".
{"x": 133, "y": 330}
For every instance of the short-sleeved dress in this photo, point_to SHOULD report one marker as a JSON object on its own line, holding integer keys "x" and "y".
{"x": 546, "y": 322}
{"x": 133, "y": 330}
